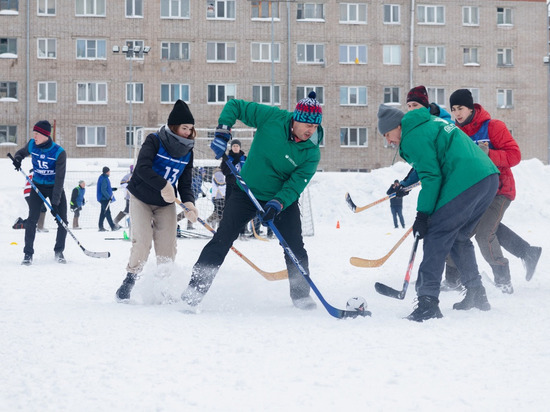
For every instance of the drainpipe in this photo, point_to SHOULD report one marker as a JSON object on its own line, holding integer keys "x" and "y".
{"x": 289, "y": 82}
{"x": 28, "y": 70}
{"x": 411, "y": 47}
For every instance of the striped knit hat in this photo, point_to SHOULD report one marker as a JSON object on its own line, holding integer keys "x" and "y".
{"x": 308, "y": 110}
{"x": 43, "y": 127}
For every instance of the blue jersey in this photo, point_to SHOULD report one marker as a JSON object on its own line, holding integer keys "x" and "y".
{"x": 482, "y": 135}
{"x": 168, "y": 167}
{"x": 43, "y": 162}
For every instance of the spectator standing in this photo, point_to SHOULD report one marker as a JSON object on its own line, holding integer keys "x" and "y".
{"x": 124, "y": 184}
{"x": 105, "y": 197}
{"x": 396, "y": 204}
{"x": 78, "y": 201}
{"x": 218, "y": 197}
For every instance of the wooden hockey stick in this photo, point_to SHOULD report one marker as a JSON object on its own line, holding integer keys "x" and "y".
{"x": 374, "y": 263}
{"x": 357, "y": 209}
{"x": 256, "y": 234}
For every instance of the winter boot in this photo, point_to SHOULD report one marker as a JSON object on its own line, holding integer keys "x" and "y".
{"x": 306, "y": 303}
{"x": 502, "y": 278}
{"x": 40, "y": 226}
{"x": 59, "y": 257}
{"x": 530, "y": 261}
{"x": 192, "y": 296}
{"x": 124, "y": 290}
{"x": 27, "y": 259}
{"x": 426, "y": 308}
{"x": 475, "y": 298}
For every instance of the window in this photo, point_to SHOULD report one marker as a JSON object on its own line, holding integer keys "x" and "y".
{"x": 353, "y": 96}
{"x": 504, "y": 16}
{"x": 353, "y": 54}
{"x": 130, "y": 134}
{"x": 392, "y": 54}
{"x": 8, "y": 46}
{"x": 504, "y": 57}
{"x": 262, "y": 52}
{"x": 505, "y": 99}
{"x": 91, "y": 49}
{"x": 90, "y": 8}
{"x": 265, "y": 9}
{"x": 470, "y": 56}
{"x": 91, "y": 93}
{"x": 47, "y": 48}
{"x": 174, "y": 51}
{"x": 303, "y": 91}
{"x": 391, "y": 14}
{"x": 431, "y": 55}
{"x": 475, "y": 94}
{"x": 171, "y": 92}
{"x": 431, "y": 14}
{"x": 46, "y": 7}
{"x": 436, "y": 95}
{"x": 8, "y": 90}
{"x": 47, "y": 92}
{"x": 470, "y": 16}
{"x": 174, "y": 9}
{"x": 310, "y": 53}
{"x": 353, "y": 13}
{"x": 221, "y": 93}
{"x": 221, "y": 52}
{"x": 8, "y": 134}
{"x": 391, "y": 95}
{"x": 134, "y": 8}
{"x": 90, "y": 136}
{"x": 134, "y": 92}
{"x": 133, "y": 45}
{"x": 220, "y": 9}
{"x": 9, "y": 5}
{"x": 310, "y": 11}
{"x": 354, "y": 136}
{"x": 262, "y": 94}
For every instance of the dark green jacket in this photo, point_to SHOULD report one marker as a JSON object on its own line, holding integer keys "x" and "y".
{"x": 276, "y": 167}
{"x": 447, "y": 161}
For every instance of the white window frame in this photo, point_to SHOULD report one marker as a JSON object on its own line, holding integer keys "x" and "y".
{"x": 470, "y": 15}
{"x": 135, "y": 92}
{"x": 167, "y": 48}
{"x": 267, "y": 94}
{"x": 94, "y": 93}
{"x": 302, "y": 92}
{"x": 352, "y": 54}
{"x": 91, "y": 136}
{"x": 45, "y": 44}
{"x": 310, "y": 53}
{"x": 431, "y": 55}
{"x": 505, "y": 16}
{"x": 353, "y": 13}
{"x": 8, "y": 133}
{"x": 436, "y": 95}
{"x": 310, "y": 12}
{"x": 168, "y": 12}
{"x": 228, "y": 49}
{"x": 48, "y": 90}
{"x": 11, "y": 47}
{"x": 429, "y": 14}
{"x": 359, "y": 135}
{"x": 7, "y": 87}
{"x": 43, "y": 8}
{"x": 475, "y": 94}
{"x": 220, "y": 9}
{"x": 392, "y": 14}
{"x": 265, "y": 10}
{"x": 130, "y": 134}
{"x": 223, "y": 93}
{"x": 133, "y": 44}
{"x": 391, "y": 54}
{"x": 505, "y": 99}
{"x": 82, "y": 8}
{"x": 11, "y": 6}
{"x": 350, "y": 93}
{"x": 175, "y": 91}
{"x": 263, "y": 51}
{"x": 132, "y": 9}
{"x": 392, "y": 95}
{"x": 97, "y": 45}
{"x": 505, "y": 57}
{"x": 470, "y": 56}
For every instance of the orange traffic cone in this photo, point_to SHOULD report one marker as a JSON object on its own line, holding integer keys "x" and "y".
{"x": 337, "y": 224}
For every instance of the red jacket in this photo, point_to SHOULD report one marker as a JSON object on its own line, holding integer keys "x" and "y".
{"x": 504, "y": 153}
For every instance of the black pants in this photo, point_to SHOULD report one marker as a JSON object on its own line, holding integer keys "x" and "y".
{"x": 105, "y": 213}
{"x": 239, "y": 209}
{"x": 35, "y": 206}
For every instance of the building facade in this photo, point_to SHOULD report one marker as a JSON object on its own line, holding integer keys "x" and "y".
{"x": 57, "y": 62}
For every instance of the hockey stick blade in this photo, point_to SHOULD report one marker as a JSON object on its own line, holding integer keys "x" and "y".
{"x": 350, "y": 203}
{"x": 97, "y": 254}
{"x": 374, "y": 263}
{"x": 357, "y": 209}
{"x": 387, "y": 291}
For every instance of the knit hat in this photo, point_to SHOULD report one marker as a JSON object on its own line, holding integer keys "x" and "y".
{"x": 43, "y": 127}
{"x": 105, "y": 169}
{"x": 388, "y": 118}
{"x": 180, "y": 114}
{"x": 462, "y": 97}
{"x": 420, "y": 95}
{"x": 308, "y": 110}
{"x": 236, "y": 141}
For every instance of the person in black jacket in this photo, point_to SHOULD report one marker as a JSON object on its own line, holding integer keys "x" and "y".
{"x": 396, "y": 204}
{"x": 164, "y": 164}
{"x": 237, "y": 157}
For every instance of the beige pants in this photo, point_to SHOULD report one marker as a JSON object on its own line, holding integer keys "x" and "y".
{"x": 151, "y": 223}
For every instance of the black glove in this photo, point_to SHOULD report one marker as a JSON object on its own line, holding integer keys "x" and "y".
{"x": 400, "y": 192}
{"x": 114, "y": 189}
{"x": 271, "y": 210}
{"x": 221, "y": 137}
{"x": 55, "y": 210}
{"x": 420, "y": 226}
{"x": 17, "y": 163}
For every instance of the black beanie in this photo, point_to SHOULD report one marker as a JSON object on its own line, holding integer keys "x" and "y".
{"x": 105, "y": 169}
{"x": 236, "y": 141}
{"x": 462, "y": 97}
{"x": 180, "y": 114}
{"x": 43, "y": 127}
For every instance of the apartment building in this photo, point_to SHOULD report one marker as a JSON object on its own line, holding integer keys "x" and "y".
{"x": 59, "y": 61}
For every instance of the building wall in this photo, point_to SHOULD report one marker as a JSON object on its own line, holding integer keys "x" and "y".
{"x": 528, "y": 77}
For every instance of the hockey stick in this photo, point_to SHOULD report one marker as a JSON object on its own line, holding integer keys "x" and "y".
{"x": 256, "y": 234}
{"x": 356, "y": 209}
{"x": 374, "y": 263}
{"x": 399, "y": 294}
{"x": 280, "y": 275}
{"x": 337, "y": 313}
{"x": 60, "y": 221}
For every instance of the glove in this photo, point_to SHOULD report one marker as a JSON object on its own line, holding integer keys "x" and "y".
{"x": 193, "y": 212}
{"x": 168, "y": 193}
{"x": 485, "y": 147}
{"x": 114, "y": 189}
{"x": 221, "y": 137}
{"x": 55, "y": 210}
{"x": 271, "y": 210}
{"x": 420, "y": 226}
{"x": 17, "y": 163}
{"x": 400, "y": 192}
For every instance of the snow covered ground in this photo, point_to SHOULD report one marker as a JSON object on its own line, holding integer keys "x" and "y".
{"x": 67, "y": 345}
